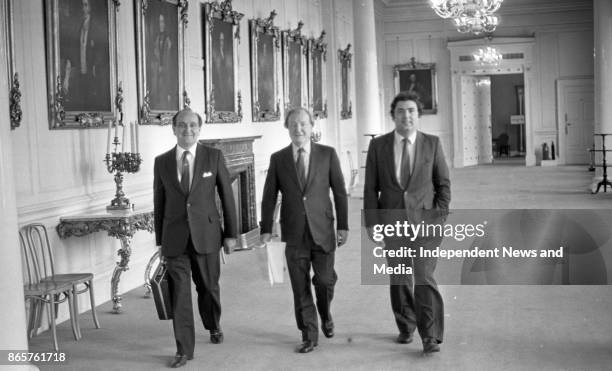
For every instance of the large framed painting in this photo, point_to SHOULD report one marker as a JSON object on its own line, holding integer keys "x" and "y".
{"x": 346, "y": 107}
{"x": 81, "y": 38}
{"x": 419, "y": 78}
{"x": 221, "y": 35}
{"x": 265, "y": 62}
{"x": 6, "y": 14}
{"x": 160, "y": 30}
{"x": 317, "y": 55}
{"x": 295, "y": 83}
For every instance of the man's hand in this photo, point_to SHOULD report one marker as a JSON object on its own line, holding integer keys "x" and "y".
{"x": 228, "y": 245}
{"x": 265, "y": 238}
{"x": 162, "y": 259}
{"x": 342, "y": 237}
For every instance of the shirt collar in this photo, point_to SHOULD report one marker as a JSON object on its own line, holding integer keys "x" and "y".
{"x": 180, "y": 150}
{"x": 305, "y": 146}
{"x": 411, "y": 137}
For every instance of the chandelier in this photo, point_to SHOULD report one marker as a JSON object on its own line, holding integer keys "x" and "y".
{"x": 475, "y": 16}
{"x": 488, "y": 56}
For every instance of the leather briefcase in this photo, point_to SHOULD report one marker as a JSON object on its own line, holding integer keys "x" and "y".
{"x": 162, "y": 295}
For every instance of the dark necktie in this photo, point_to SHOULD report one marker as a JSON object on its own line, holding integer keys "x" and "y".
{"x": 185, "y": 173}
{"x": 405, "y": 164}
{"x": 301, "y": 167}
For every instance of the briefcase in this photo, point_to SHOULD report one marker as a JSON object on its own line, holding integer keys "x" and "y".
{"x": 162, "y": 294}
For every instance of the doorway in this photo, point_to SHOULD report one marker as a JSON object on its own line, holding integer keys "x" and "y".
{"x": 575, "y": 115}
{"x": 508, "y": 118}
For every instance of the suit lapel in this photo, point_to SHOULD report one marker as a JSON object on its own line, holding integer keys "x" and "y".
{"x": 314, "y": 158}
{"x": 289, "y": 164}
{"x": 200, "y": 162}
{"x": 418, "y": 155}
{"x": 172, "y": 169}
{"x": 389, "y": 157}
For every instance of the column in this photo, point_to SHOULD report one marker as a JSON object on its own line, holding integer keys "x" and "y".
{"x": 602, "y": 11}
{"x": 367, "y": 105}
{"x": 12, "y": 311}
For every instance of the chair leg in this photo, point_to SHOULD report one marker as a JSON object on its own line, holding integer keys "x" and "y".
{"x": 51, "y": 316}
{"x": 32, "y": 320}
{"x": 73, "y": 320}
{"x": 39, "y": 314}
{"x": 75, "y": 312}
{"x": 93, "y": 304}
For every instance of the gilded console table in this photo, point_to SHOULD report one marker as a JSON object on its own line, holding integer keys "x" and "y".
{"x": 119, "y": 224}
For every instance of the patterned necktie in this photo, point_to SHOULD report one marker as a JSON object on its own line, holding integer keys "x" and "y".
{"x": 301, "y": 168}
{"x": 185, "y": 173}
{"x": 405, "y": 164}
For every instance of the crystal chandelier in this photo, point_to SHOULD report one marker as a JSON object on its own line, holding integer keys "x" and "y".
{"x": 488, "y": 56}
{"x": 474, "y": 16}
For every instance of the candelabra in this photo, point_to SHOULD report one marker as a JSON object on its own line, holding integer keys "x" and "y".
{"x": 119, "y": 163}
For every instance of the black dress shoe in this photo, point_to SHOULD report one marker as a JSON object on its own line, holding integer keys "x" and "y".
{"x": 180, "y": 360}
{"x": 216, "y": 336}
{"x": 307, "y": 346}
{"x": 328, "y": 329}
{"x": 430, "y": 346}
{"x": 404, "y": 338}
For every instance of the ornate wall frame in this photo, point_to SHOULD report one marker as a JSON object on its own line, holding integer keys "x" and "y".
{"x": 317, "y": 74}
{"x": 295, "y": 82}
{"x": 265, "y": 68}
{"x": 160, "y": 38}
{"x": 6, "y": 13}
{"x": 345, "y": 59}
{"x": 81, "y": 94}
{"x": 223, "y": 102}
{"x": 425, "y": 84}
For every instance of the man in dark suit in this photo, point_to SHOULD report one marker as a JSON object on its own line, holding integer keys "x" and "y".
{"x": 406, "y": 170}
{"x": 188, "y": 228}
{"x": 304, "y": 172}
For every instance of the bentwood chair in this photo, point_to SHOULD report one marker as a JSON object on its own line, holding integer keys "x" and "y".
{"x": 40, "y": 293}
{"x": 38, "y": 240}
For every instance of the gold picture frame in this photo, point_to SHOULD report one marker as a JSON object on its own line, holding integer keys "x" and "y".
{"x": 295, "y": 82}
{"x": 6, "y": 13}
{"x": 160, "y": 41}
{"x": 345, "y": 59}
{"x": 221, "y": 60}
{"x": 420, "y": 78}
{"x": 265, "y": 62}
{"x": 317, "y": 75}
{"x": 81, "y": 53}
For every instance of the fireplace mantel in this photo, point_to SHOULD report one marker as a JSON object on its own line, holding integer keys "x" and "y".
{"x": 240, "y": 162}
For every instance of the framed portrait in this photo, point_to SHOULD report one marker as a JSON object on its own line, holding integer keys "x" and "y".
{"x": 160, "y": 30}
{"x": 344, "y": 57}
{"x": 419, "y": 78}
{"x": 295, "y": 84}
{"x": 221, "y": 35}
{"x": 6, "y": 14}
{"x": 81, "y": 38}
{"x": 317, "y": 52}
{"x": 265, "y": 62}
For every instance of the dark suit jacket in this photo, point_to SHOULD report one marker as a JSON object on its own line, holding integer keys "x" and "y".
{"x": 179, "y": 215}
{"x": 429, "y": 185}
{"x": 311, "y": 205}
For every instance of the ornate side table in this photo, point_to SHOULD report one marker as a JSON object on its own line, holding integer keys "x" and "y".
{"x": 119, "y": 224}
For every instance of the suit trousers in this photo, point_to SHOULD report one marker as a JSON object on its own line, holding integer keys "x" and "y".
{"x": 300, "y": 257}
{"x": 205, "y": 270}
{"x": 415, "y": 299}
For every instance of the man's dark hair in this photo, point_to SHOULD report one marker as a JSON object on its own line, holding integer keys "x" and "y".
{"x": 405, "y": 96}
{"x": 294, "y": 111}
{"x": 175, "y": 117}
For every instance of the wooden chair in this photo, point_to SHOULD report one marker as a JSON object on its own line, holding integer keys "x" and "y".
{"x": 43, "y": 292}
{"x": 38, "y": 240}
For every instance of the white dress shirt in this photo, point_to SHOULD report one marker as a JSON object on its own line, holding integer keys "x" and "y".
{"x": 190, "y": 158}
{"x": 397, "y": 152}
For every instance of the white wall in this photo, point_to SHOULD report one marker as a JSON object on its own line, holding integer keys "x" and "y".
{"x": 60, "y": 172}
{"x": 563, "y": 32}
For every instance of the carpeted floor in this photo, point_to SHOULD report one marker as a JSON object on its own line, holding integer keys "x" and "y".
{"x": 487, "y": 327}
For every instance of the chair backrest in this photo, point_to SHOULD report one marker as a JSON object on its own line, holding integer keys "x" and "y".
{"x": 37, "y": 252}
